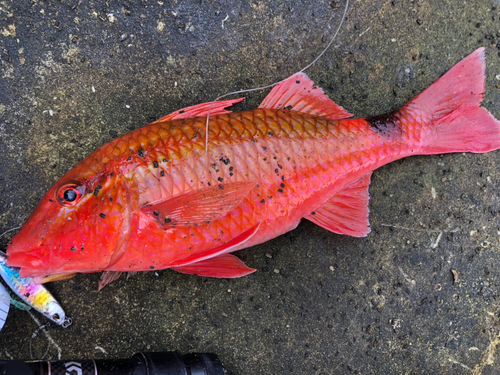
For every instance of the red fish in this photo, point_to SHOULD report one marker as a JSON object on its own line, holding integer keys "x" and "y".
{"x": 159, "y": 198}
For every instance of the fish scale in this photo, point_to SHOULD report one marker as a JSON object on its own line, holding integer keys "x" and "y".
{"x": 158, "y": 197}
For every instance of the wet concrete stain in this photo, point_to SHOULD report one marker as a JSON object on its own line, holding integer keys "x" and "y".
{"x": 419, "y": 294}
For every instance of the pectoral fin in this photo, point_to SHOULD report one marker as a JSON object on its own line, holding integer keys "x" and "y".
{"x": 200, "y": 206}
{"x": 347, "y": 211}
{"x": 224, "y": 266}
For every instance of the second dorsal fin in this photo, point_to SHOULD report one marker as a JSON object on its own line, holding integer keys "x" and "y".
{"x": 299, "y": 93}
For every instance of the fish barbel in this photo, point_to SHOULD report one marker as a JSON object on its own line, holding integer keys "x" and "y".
{"x": 159, "y": 197}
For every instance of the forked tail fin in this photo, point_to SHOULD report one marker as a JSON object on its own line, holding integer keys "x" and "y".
{"x": 451, "y": 107}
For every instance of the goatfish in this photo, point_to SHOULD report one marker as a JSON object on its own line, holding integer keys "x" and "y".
{"x": 169, "y": 195}
{"x": 34, "y": 295}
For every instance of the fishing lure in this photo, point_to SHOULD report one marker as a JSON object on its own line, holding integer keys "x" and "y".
{"x": 33, "y": 294}
{"x": 4, "y": 305}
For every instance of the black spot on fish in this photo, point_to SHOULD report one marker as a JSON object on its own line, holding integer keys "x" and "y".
{"x": 162, "y": 173}
{"x": 226, "y": 161}
{"x": 220, "y": 179}
{"x": 111, "y": 174}
{"x": 263, "y": 201}
{"x": 280, "y": 190}
{"x": 182, "y": 111}
{"x": 288, "y": 107}
{"x": 297, "y": 82}
{"x": 73, "y": 248}
{"x": 155, "y": 164}
{"x": 156, "y": 213}
{"x": 221, "y": 187}
{"x": 167, "y": 220}
{"x": 111, "y": 199}
{"x": 129, "y": 158}
{"x": 270, "y": 133}
{"x": 97, "y": 189}
{"x": 387, "y": 124}
{"x": 151, "y": 267}
{"x": 102, "y": 215}
{"x": 231, "y": 169}
{"x": 313, "y": 213}
{"x": 51, "y": 200}
{"x": 282, "y": 185}
{"x": 89, "y": 191}
{"x": 165, "y": 160}
{"x": 277, "y": 170}
{"x": 141, "y": 153}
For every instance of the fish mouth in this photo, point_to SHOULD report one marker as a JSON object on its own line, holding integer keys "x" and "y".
{"x": 27, "y": 263}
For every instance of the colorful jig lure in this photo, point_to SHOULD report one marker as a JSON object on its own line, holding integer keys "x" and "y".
{"x": 33, "y": 294}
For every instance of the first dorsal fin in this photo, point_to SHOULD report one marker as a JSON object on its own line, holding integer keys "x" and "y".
{"x": 299, "y": 93}
{"x": 201, "y": 110}
{"x": 347, "y": 211}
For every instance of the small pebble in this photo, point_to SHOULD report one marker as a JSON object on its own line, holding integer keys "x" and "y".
{"x": 276, "y": 271}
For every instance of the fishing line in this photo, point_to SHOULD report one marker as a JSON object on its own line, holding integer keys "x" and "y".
{"x": 276, "y": 83}
{"x": 7, "y": 231}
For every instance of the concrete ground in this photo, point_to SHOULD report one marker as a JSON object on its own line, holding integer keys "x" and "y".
{"x": 418, "y": 295}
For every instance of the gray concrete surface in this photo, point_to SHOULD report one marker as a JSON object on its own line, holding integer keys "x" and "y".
{"x": 419, "y": 295}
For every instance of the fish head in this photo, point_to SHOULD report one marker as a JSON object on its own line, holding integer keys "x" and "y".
{"x": 77, "y": 227}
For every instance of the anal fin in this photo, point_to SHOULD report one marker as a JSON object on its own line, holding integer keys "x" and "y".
{"x": 347, "y": 211}
{"x": 223, "y": 266}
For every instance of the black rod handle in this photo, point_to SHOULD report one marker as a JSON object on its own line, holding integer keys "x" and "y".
{"x": 149, "y": 363}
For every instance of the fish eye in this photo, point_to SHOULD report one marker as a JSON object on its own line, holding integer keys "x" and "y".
{"x": 69, "y": 194}
{"x": 56, "y": 317}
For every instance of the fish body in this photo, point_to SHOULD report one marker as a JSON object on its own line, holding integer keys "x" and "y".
{"x": 34, "y": 295}
{"x": 160, "y": 197}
